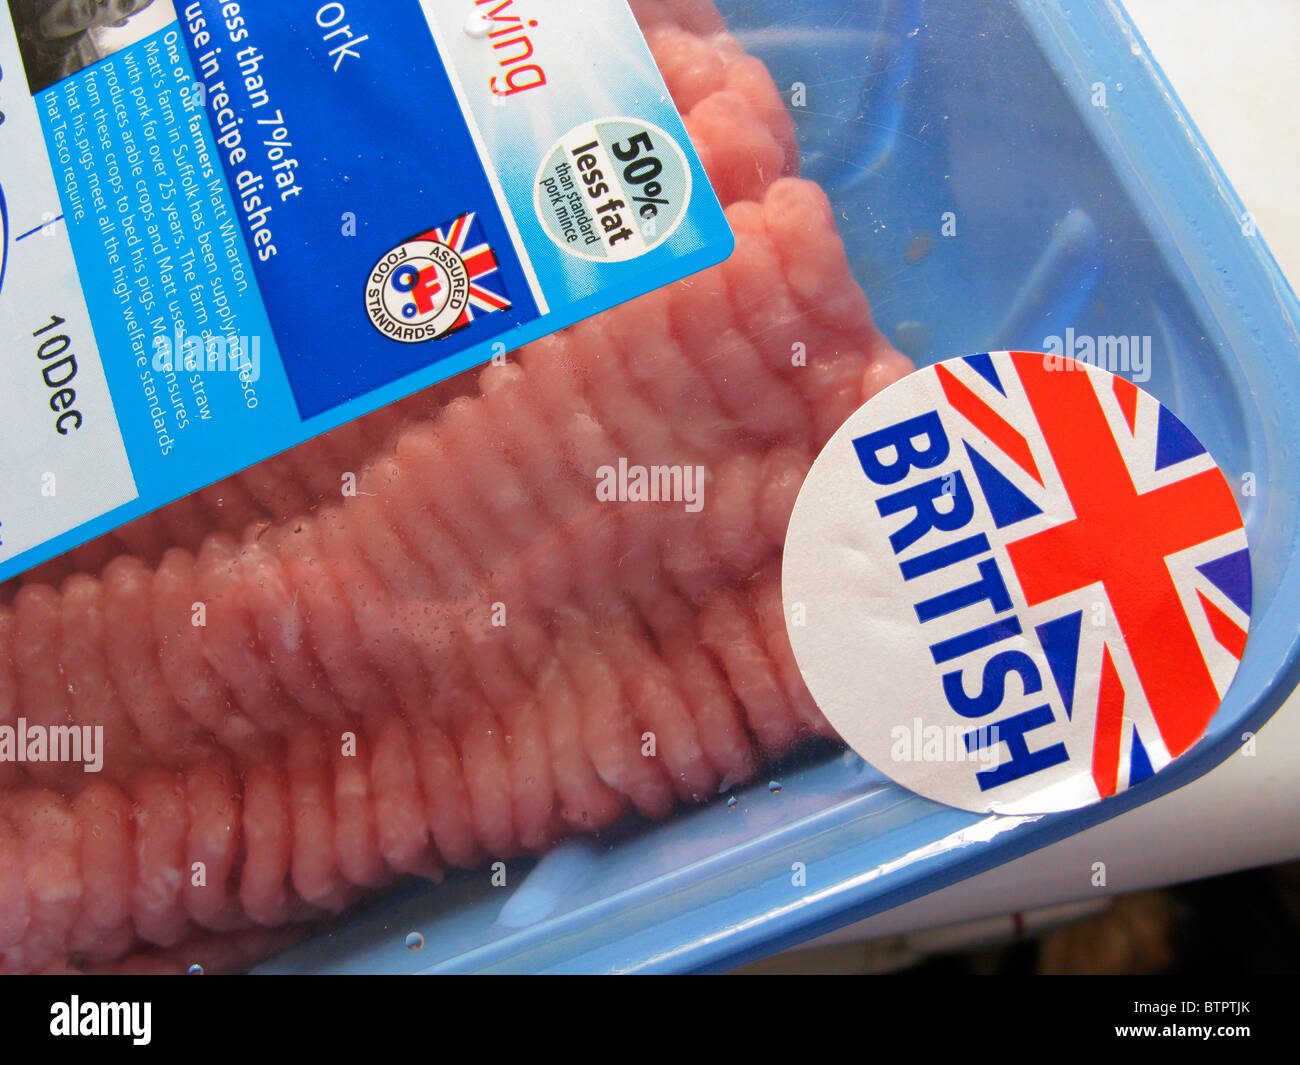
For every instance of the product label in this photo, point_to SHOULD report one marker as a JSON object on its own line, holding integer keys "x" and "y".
{"x": 228, "y": 227}
{"x": 1017, "y": 583}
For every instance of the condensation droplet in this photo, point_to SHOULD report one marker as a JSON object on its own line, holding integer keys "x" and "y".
{"x": 911, "y": 338}
{"x": 477, "y": 25}
{"x": 196, "y": 970}
{"x": 732, "y": 803}
{"x": 773, "y": 786}
{"x": 414, "y": 941}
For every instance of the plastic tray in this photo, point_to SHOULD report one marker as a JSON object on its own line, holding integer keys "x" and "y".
{"x": 1111, "y": 220}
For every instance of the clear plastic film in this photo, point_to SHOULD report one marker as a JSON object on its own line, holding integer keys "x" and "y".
{"x": 497, "y": 677}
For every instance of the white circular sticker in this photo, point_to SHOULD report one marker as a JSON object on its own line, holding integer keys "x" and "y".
{"x": 613, "y": 189}
{"x": 1017, "y": 583}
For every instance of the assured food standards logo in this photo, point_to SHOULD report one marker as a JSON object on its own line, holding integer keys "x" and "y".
{"x": 1017, "y": 583}
{"x": 435, "y": 283}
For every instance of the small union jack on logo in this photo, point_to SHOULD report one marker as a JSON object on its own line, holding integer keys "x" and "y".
{"x": 435, "y": 283}
{"x": 1037, "y": 553}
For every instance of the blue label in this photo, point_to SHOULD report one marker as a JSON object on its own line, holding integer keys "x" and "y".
{"x": 229, "y": 227}
{"x": 333, "y": 176}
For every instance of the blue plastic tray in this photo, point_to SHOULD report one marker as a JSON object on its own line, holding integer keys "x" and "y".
{"x": 1112, "y": 220}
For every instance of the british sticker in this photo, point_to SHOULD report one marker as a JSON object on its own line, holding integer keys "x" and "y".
{"x": 1021, "y": 584}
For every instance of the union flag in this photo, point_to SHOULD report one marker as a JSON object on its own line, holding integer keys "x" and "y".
{"x": 464, "y": 235}
{"x": 1127, "y": 544}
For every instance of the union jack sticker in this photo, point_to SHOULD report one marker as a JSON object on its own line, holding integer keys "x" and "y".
{"x": 436, "y": 283}
{"x": 1024, "y": 584}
